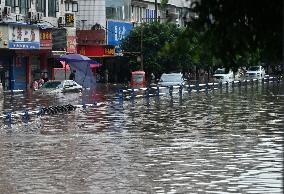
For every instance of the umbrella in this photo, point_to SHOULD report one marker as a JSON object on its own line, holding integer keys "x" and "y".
{"x": 78, "y": 58}
{"x": 82, "y": 65}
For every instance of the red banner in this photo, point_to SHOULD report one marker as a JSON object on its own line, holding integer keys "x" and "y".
{"x": 71, "y": 44}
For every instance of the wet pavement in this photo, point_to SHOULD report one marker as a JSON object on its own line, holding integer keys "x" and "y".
{"x": 224, "y": 142}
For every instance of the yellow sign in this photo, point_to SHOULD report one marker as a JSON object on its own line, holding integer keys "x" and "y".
{"x": 82, "y": 51}
{"x": 69, "y": 20}
{"x": 45, "y": 35}
{"x": 109, "y": 51}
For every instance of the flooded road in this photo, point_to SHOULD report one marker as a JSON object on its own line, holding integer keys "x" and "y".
{"x": 223, "y": 142}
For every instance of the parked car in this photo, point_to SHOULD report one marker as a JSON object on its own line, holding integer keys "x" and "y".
{"x": 171, "y": 79}
{"x": 60, "y": 86}
{"x": 255, "y": 72}
{"x": 220, "y": 75}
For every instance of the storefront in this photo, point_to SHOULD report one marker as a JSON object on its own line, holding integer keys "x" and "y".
{"x": 19, "y": 46}
{"x": 6, "y": 58}
{"x": 118, "y": 66}
{"x": 100, "y": 53}
{"x": 104, "y": 47}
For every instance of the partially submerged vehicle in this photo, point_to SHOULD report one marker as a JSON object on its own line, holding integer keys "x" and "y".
{"x": 221, "y": 75}
{"x": 171, "y": 79}
{"x": 60, "y": 86}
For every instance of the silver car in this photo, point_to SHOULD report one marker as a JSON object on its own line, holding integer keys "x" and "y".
{"x": 60, "y": 86}
{"x": 171, "y": 79}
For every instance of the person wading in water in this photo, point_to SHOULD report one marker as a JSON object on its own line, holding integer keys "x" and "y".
{"x": 72, "y": 75}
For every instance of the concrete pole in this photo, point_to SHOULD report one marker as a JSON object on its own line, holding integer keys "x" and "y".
{"x": 156, "y": 11}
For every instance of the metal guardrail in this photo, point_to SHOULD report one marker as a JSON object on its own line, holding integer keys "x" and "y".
{"x": 130, "y": 94}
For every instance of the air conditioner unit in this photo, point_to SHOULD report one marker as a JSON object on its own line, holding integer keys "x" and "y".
{"x": 31, "y": 16}
{"x": 39, "y": 16}
{"x": 7, "y": 10}
{"x": 18, "y": 18}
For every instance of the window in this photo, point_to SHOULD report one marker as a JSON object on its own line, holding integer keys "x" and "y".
{"x": 41, "y": 5}
{"x": 24, "y": 6}
{"x": 10, "y": 3}
{"x": 118, "y": 9}
{"x": 51, "y": 8}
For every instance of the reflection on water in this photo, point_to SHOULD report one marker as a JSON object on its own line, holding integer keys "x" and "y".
{"x": 226, "y": 141}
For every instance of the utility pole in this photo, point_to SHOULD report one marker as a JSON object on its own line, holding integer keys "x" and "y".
{"x": 156, "y": 11}
{"x": 141, "y": 48}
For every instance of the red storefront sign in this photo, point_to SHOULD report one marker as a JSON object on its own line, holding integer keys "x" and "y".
{"x": 45, "y": 39}
{"x": 96, "y": 50}
{"x": 91, "y": 37}
{"x": 71, "y": 44}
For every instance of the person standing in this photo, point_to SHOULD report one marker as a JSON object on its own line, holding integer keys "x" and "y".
{"x": 72, "y": 75}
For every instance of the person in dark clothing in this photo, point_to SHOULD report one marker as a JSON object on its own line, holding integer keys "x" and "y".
{"x": 72, "y": 75}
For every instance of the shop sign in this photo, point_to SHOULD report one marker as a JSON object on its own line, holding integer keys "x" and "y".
{"x": 69, "y": 20}
{"x": 91, "y": 37}
{"x": 117, "y": 31}
{"x": 4, "y": 37}
{"x": 23, "y": 37}
{"x": 45, "y": 39}
{"x": 96, "y": 51}
{"x": 71, "y": 44}
{"x": 59, "y": 39}
{"x": 109, "y": 51}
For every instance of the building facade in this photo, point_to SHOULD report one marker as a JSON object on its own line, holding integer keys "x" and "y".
{"x": 176, "y": 11}
{"x": 27, "y": 29}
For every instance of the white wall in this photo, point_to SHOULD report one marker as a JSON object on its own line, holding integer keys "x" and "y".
{"x": 93, "y": 11}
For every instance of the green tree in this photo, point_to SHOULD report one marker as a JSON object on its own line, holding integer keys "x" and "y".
{"x": 241, "y": 30}
{"x": 154, "y": 37}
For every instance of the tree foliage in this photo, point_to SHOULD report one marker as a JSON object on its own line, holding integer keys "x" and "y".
{"x": 241, "y": 30}
{"x": 154, "y": 37}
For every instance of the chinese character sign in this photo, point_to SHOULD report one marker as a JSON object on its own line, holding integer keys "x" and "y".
{"x": 118, "y": 31}
{"x": 23, "y": 37}
{"x": 45, "y": 39}
{"x": 71, "y": 44}
{"x": 69, "y": 20}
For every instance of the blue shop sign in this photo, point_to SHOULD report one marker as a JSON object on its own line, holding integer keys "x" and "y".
{"x": 24, "y": 45}
{"x": 23, "y": 37}
{"x": 117, "y": 31}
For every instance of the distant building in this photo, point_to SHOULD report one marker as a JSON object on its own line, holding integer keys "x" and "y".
{"x": 176, "y": 11}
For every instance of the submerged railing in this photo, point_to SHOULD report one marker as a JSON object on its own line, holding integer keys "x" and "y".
{"x": 132, "y": 93}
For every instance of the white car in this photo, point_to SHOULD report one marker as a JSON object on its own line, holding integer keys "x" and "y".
{"x": 171, "y": 79}
{"x": 255, "y": 72}
{"x": 60, "y": 86}
{"x": 220, "y": 75}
